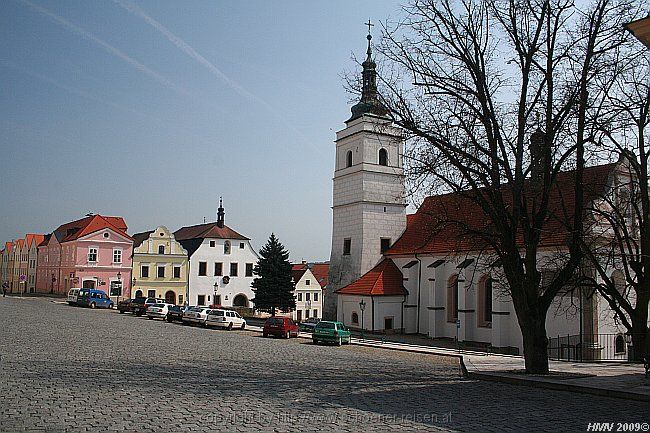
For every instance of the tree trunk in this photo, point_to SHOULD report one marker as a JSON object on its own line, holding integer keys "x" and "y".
{"x": 535, "y": 344}
{"x": 640, "y": 337}
{"x": 272, "y": 311}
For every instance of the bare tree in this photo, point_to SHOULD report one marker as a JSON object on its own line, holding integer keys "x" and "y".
{"x": 618, "y": 250}
{"x": 472, "y": 83}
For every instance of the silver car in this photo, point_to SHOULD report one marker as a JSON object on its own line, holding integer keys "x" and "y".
{"x": 196, "y": 315}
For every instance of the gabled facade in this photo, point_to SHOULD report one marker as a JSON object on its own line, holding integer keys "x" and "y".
{"x": 221, "y": 264}
{"x": 308, "y": 293}
{"x": 93, "y": 252}
{"x": 160, "y": 265}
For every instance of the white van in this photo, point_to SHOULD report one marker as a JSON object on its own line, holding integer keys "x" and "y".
{"x": 72, "y": 296}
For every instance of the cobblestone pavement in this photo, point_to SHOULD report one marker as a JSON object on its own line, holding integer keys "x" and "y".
{"x": 71, "y": 369}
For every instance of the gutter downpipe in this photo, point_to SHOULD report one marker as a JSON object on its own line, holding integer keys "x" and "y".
{"x": 372, "y": 304}
{"x": 417, "y": 328}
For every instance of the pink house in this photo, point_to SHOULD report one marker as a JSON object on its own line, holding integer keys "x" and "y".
{"x": 93, "y": 252}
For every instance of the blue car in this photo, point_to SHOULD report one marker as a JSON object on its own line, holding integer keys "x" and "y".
{"x": 93, "y": 298}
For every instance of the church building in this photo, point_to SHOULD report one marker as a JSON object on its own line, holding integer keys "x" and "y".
{"x": 396, "y": 273}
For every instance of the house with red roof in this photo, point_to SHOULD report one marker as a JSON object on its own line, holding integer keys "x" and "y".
{"x": 91, "y": 252}
{"x": 310, "y": 279}
{"x": 221, "y": 262}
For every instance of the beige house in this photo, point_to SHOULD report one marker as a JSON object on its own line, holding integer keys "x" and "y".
{"x": 160, "y": 266}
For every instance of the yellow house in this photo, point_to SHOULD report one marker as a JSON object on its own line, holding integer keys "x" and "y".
{"x": 159, "y": 266}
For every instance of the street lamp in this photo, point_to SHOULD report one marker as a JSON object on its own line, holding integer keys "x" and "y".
{"x": 119, "y": 285}
{"x": 133, "y": 286}
{"x": 362, "y": 307}
{"x": 214, "y": 298}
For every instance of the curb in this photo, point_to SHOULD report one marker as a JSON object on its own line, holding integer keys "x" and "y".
{"x": 603, "y": 392}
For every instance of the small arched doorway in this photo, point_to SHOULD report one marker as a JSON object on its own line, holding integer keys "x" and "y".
{"x": 138, "y": 293}
{"x": 170, "y": 297}
{"x": 240, "y": 301}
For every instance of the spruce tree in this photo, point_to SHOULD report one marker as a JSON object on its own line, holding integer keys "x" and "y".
{"x": 273, "y": 285}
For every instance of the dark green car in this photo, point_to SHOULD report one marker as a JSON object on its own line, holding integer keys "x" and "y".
{"x": 331, "y": 332}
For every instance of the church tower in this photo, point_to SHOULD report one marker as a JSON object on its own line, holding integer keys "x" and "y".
{"x": 369, "y": 209}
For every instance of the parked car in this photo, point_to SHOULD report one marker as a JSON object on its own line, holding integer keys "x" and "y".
{"x": 125, "y": 306}
{"x": 331, "y": 332}
{"x": 196, "y": 315}
{"x": 93, "y": 298}
{"x": 225, "y": 319}
{"x": 280, "y": 327}
{"x": 158, "y": 311}
{"x": 138, "y": 306}
{"x": 309, "y": 324}
{"x": 72, "y": 296}
{"x": 175, "y": 312}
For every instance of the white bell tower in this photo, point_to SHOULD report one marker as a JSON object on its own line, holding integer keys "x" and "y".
{"x": 369, "y": 209}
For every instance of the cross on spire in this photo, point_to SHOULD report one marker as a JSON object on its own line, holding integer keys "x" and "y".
{"x": 369, "y": 24}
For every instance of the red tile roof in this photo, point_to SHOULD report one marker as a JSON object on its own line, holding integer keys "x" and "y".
{"x": 9, "y": 246}
{"x": 320, "y": 271}
{"x": 208, "y": 230}
{"x": 34, "y": 239}
{"x": 443, "y": 223}
{"x": 385, "y": 279}
{"x": 298, "y": 272}
{"x": 90, "y": 224}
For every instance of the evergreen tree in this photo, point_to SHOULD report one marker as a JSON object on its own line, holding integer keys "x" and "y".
{"x": 274, "y": 285}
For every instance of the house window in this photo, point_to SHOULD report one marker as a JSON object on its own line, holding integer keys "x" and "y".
{"x": 383, "y": 157}
{"x": 106, "y": 235}
{"x": 212, "y": 244}
{"x": 316, "y": 297}
{"x": 116, "y": 288}
{"x": 217, "y": 300}
{"x": 347, "y": 246}
{"x": 180, "y": 299}
{"x": 241, "y": 245}
{"x": 234, "y": 267}
{"x": 151, "y": 293}
{"x": 299, "y": 315}
{"x": 218, "y": 269}
{"x": 161, "y": 271}
{"x": 117, "y": 256}
{"x": 307, "y": 282}
{"x": 348, "y": 159}
{"x": 177, "y": 274}
{"x": 300, "y": 296}
{"x": 249, "y": 269}
{"x": 487, "y": 300}
{"x": 200, "y": 300}
{"x": 92, "y": 255}
{"x": 306, "y": 314}
{"x": 384, "y": 244}
{"x": 355, "y": 318}
{"x": 161, "y": 249}
{"x": 144, "y": 271}
{"x": 315, "y": 313}
{"x": 307, "y": 296}
{"x": 226, "y": 247}
{"x": 203, "y": 269}
{"x": 452, "y": 299}
{"x": 388, "y": 323}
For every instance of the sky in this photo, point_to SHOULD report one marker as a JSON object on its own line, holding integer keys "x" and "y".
{"x": 152, "y": 110}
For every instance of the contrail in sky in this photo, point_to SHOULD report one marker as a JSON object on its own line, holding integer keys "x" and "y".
{"x": 187, "y": 49}
{"x": 184, "y": 46}
{"x": 105, "y": 45}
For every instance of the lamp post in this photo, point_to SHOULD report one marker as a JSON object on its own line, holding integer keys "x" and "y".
{"x": 214, "y": 298}
{"x": 119, "y": 286}
{"x": 362, "y": 307}
{"x": 133, "y": 287}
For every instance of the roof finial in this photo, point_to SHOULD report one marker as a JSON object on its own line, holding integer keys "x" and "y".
{"x": 220, "y": 213}
{"x": 369, "y": 37}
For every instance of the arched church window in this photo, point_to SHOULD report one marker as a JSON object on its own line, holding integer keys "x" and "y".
{"x": 226, "y": 247}
{"x": 619, "y": 344}
{"x": 348, "y": 159}
{"x": 355, "y": 318}
{"x": 383, "y": 157}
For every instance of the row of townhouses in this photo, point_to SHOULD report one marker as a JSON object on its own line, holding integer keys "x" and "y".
{"x": 205, "y": 264}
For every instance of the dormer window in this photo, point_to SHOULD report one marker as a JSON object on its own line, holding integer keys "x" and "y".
{"x": 106, "y": 235}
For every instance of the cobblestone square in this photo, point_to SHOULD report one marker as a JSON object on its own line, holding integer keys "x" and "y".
{"x": 71, "y": 369}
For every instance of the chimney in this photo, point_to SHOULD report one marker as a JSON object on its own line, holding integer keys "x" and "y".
{"x": 220, "y": 214}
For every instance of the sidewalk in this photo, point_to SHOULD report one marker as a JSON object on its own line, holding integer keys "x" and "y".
{"x": 606, "y": 379}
